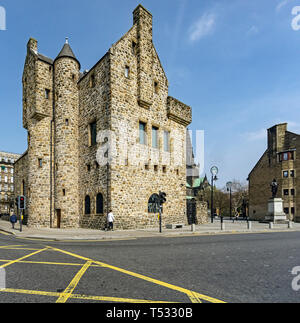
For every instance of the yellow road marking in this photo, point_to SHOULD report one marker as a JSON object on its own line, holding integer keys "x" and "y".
{"x": 82, "y": 297}
{"x": 151, "y": 280}
{"x": 69, "y": 290}
{"x": 17, "y": 260}
{"x": 8, "y": 248}
{"x": 5, "y": 233}
{"x": 48, "y": 263}
{"x": 194, "y": 297}
{"x": 11, "y": 246}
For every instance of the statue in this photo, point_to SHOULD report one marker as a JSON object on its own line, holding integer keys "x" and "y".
{"x": 274, "y": 188}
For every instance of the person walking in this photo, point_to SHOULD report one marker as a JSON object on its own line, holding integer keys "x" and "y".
{"x": 13, "y": 220}
{"x": 110, "y": 220}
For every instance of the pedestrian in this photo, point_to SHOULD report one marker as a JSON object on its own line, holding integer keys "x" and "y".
{"x": 110, "y": 220}
{"x": 13, "y": 220}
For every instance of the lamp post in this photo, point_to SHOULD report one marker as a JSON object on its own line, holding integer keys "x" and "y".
{"x": 229, "y": 189}
{"x": 214, "y": 172}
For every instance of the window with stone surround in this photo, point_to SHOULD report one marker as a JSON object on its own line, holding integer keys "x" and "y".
{"x": 47, "y": 94}
{"x": 167, "y": 141}
{"x": 134, "y": 46}
{"x": 286, "y": 174}
{"x": 143, "y": 133}
{"x": 127, "y": 70}
{"x": 93, "y": 133}
{"x": 40, "y": 162}
{"x": 155, "y": 137}
{"x": 99, "y": 203}
{"x": 156, "y": 87}
{"x": 92, "y": 81}
{"x": 285, "y": 192}
{"x": 87, "y": 205}
{"x": 286, "y": 156}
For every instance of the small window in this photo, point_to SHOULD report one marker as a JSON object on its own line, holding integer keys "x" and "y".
{"x": 147, "y": 167}
{"x": 286, "y": 210}
{"x": 127, "y": 71}
{"x": 293, "y": 210}
{"x": 88, "y": 168}
{"x": 156, "y": 168}
{"x": 286, "y": 174}
{"x": 99, "y": 204}
{"x": 166, "y": 141}
{"x": 67, "y": 122}
{"x": 87, "y": 205}
{"x": 93, "y": 133}
{"x": 47, "y": 94}
{"x": 64, "y": 192}
{"x": 92, "y": 81}
{"x": 164, "y": 169}
{"x": 134, "y": 48}
{"x": 156, "y": 89}
{"x": 293, "y": 192}
{"x": 40, "y": 162}
{"x": 142, "y": 130}
{"x": 286, "y": 192}
{"x": 154, "y": 137}
{"x": 292, "y": 173}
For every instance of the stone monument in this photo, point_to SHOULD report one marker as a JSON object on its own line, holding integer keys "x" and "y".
{"x": 275, "y": 206}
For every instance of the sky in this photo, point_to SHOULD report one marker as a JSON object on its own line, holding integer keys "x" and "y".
{"x": 235, "y": 62}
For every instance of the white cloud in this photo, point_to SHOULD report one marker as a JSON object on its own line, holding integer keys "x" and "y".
{"x": 202, "y": 27}
{"x": 282, "y": 4}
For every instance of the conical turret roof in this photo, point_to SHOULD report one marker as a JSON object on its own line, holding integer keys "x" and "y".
{"x": 67, "y": 52}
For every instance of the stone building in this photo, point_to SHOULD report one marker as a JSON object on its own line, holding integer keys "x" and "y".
{"x": 7, "y": 181}
{"x": 109, "y": 138}
{"x": 281, "y": 162}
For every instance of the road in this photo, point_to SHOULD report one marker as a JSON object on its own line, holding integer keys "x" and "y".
{"x": 240, "y": 268}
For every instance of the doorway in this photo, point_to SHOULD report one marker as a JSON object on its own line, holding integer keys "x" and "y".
{"x": 58, "y": 218}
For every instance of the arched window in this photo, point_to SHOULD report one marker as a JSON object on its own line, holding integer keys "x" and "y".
{"x": 153, "y": 204}
{"x": 99, "y": 204}
{"x": 87, "y": 205}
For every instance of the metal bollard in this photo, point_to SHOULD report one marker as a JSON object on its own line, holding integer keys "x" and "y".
{"x": 271, "y": 225}
{"x": 193, "y": 228}
{"x": 222, "y": 224}
{"x": 290, "y": 225}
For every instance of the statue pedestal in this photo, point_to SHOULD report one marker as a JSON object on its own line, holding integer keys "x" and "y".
{"x": 275, "y": 211}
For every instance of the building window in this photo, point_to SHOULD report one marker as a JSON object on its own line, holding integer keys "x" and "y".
{"x": 286, "y": 192}
{"x": 99, "y": 204}
{"x": 286, "y": 210}
{"x": 134, "y": 48}
{"x": 292, "y": 173}
{"x": 67, "y": 122}
{"x": 88, "y": 167}
{"x": 64, "y": 192}
{"x": 286, "y": 156}
{"x": 166, "y": 141}
{"x": 92, "y": 81}
{"x": 154, "y": 137}
{"x": 286, "y": 174}
{"x": 146, "y": 167}
{"x": 40, "y": 162}
{"x": 156, "y": 88}
{"x": 47, "y": 94}
{"x": 143, "y": 135}
{"x": 156, "y": 168}
{"x": 93, "y": 133}
{"x": 293, "y": 192}
{"x": 164, "y": 169}
{"x": 293, "y": 210}
{"x": 87, "y": 205}
{"x": 127, "y": 71}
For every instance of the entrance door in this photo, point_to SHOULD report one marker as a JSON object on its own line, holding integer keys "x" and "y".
{"x": 58, "y": 218}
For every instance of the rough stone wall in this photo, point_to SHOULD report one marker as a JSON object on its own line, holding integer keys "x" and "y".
{"x": 269, "y": 168}
{"x": 37, "y": 112}
{"x": 138, "y": 171}
{"x": 202, "y": 215}
{"x": 66, "y": 156}
{"x": 94, "y": 106}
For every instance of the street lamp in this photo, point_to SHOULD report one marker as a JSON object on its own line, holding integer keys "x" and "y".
{"x": 214, "y": 172}
{"x": 229, "y": 189}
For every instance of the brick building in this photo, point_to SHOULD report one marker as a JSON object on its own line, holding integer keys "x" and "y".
{"x": 281, "y": 162}
{"x": 108, "y": 138}
{"x": 7, "y": 181}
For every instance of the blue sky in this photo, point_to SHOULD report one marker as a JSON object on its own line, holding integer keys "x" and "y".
{"x": 236, "y": 62}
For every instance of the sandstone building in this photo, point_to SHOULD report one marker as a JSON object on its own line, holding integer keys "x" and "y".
{"x": 7, "y": 181}
{"x": 281, "y": 162}
{"x": 107, "y": 138}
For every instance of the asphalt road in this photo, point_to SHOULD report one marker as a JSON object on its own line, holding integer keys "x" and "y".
{"x": 241, "y": 268}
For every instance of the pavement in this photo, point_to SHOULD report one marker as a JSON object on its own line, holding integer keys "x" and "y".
{"x": 238, "y": 227}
